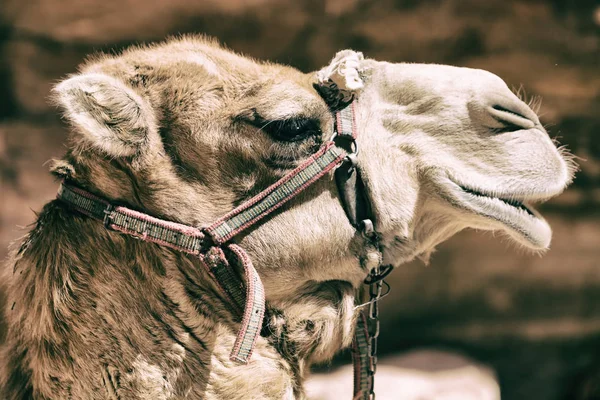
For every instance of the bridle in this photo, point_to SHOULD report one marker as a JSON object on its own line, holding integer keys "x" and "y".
{"x": 213, "y": 246}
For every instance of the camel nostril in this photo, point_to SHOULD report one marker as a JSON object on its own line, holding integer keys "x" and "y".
{"x": 506, "y": 110}
{"x": 510, "y": 119}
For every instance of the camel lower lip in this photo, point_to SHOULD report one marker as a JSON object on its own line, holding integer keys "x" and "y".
{"x": 518, "y": 219}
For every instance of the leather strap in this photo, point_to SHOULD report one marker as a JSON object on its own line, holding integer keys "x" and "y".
{"x": 247, "y": 298}
{"x": 134, "y": 223}
{"x": 250, "y": 303}
{"x": 357, "y": 205}
{"x": 348, "y": 177}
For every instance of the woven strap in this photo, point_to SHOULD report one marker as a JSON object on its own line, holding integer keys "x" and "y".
{"x": 276, "y": 195}
{"x": 360, "y": 359}
{"x": 251, "y": 301}
{"x": 345, "y": 122}
{"x": 142, "y": 226}
{"x": 348, "y": 181}
{"x": 247, "y": 298}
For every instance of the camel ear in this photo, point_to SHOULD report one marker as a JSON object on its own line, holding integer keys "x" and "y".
{"x": 110, "y": 115}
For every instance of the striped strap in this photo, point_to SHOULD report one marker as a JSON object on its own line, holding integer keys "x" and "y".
{"x": 142, "y": 226}
{"x": 251, "y": 301}
{"x": 267, "y": 201}
{"x": 346, "y": 129}
{"x": 247, "y": 300}
{"x": 345, "y": 122}
{"x": 360, "y": 359}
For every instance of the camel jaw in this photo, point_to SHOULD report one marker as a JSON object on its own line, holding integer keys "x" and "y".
{"x": 506, "y": 211}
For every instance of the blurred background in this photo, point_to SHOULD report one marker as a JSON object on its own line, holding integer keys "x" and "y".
{"x": 534, "y": 321}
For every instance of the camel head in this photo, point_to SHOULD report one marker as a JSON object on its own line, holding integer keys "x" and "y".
{"x": 448, "y": 148}
{"x": 187, "y": 130}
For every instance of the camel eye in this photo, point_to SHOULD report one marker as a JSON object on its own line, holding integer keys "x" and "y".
{"x": 290, "y": 130}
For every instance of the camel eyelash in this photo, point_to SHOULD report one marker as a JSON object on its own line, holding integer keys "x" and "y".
{"x": 290, "y": 129}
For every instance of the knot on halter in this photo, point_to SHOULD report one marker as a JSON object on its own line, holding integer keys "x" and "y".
{"x": 340, "y": 80}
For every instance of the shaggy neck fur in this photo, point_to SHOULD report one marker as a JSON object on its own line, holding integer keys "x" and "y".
{"x": 163, "y": 315}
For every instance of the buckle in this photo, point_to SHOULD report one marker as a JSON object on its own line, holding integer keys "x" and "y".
{"x": 107, "y": 220}
{"x": 350, "y": 144}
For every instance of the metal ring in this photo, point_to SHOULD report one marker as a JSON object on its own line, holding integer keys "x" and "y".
{"x": 367, "y": 227}
{"x": 387, "y": 291}
{"x": 353, "y": 144}
{"x": 350, "y": 139}
{"x": 351, "y": 158}
{"x": 385, "y": 271}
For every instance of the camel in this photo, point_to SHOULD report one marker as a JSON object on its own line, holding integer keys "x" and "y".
{"x": 187, "y": 130}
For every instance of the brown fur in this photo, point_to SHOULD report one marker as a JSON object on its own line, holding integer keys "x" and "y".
{"x": 171, "y": 130}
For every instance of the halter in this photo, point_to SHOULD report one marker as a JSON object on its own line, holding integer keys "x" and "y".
{"x": 213, "y": 247}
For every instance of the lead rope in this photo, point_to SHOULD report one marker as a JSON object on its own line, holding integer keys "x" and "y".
{"x": 373, "y": 328}
{"x": 364, "y": 348}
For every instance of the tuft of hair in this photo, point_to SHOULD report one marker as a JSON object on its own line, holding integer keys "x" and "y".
{"x": 533, "y": 101}
{"x": 61, "y": 168}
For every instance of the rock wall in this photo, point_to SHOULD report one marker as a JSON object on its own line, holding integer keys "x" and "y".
{"x": 535, "y": 320}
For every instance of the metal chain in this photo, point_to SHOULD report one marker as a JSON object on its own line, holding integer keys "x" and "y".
{"x": 375, "y": 289}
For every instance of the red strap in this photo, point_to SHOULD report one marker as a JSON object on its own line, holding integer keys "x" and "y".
{"x": 345, "y": 121}
{"x": 360, "y": 359}
{"x": 251, "y": 300}
{"x": 276, "y": 195}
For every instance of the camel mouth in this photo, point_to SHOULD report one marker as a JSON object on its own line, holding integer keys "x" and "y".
{"x": 508, "y": 212}
{"x": 518, "y": 204}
